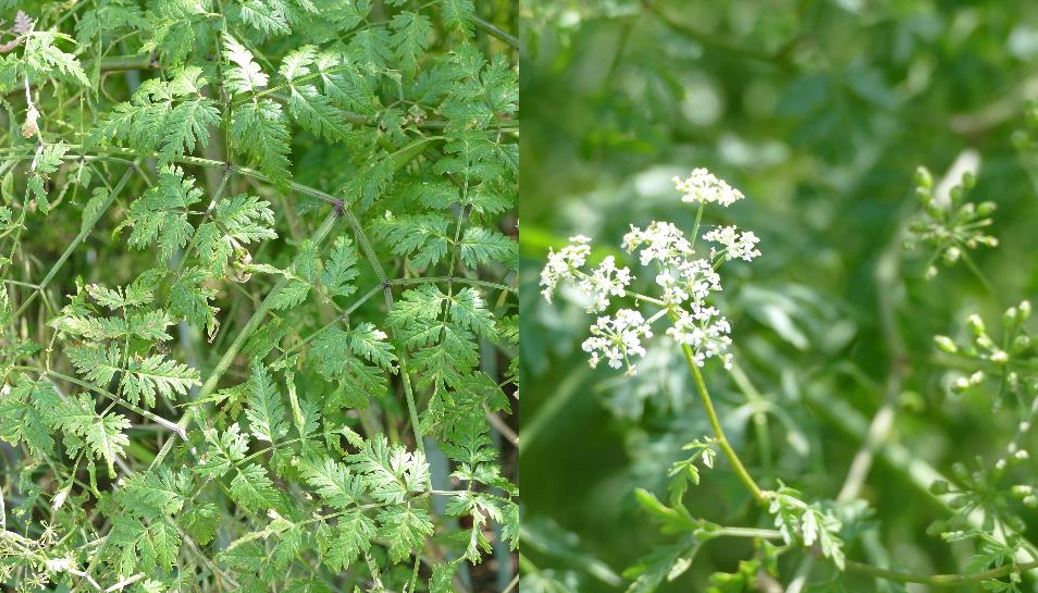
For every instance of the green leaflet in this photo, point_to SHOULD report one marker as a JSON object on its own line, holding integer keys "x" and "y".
{"x": 252, "y": 489}
{"x": 265, "y": 411}
{"x": 170, "y": 117}
{"x": 343, "y": 544}
{"x": 103, "y": 436}
{"x": 201, "y": 392}
{"x": 160, "y": 215}
{"x": 358, "y": 359}
{"x": 261, "y": 135}
{"x": 405, "y": 528}
{"x": 333, "y": 482}
{"x": 340, "y": 268}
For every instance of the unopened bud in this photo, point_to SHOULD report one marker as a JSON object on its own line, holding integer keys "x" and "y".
{"x": 923, "y": 178}
{"x": 1010, "y": 317}
{"x": 986, "y": 208}
{"x": 976, "y": 324}
{"x": 956, "y": 194}
{"x": 1021, "y": 343}
{"x": 945, "y": 344}
{"x": 969, "y": 180}
{"x": 939, "y": 487}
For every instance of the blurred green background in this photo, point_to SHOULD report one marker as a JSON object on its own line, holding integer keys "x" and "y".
{"x": 820, "y": 111}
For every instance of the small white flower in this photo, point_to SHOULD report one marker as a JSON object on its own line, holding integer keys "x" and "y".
{"x": 735, "y": 245}
{"x": 58, "y": 565}
{"x": 617, "y": 339}
{"x": 563, "y": 263}
{"x": 605, "y": 281}
{"x": 690, "y": 278}
{"x": 706, "y": 331}
{"x": 660, "y": 241}
{"x": 704, "y": 187}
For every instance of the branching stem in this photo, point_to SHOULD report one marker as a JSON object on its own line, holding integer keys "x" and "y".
{"x": 719, "y": 434}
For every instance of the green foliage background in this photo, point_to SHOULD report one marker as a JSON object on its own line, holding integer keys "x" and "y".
{"x": 258, "y": 319}
{"x": 819, "y": 111}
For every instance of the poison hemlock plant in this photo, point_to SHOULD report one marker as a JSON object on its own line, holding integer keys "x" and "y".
{"x": 259, "y": 313}
{"x": 680, "y": 310}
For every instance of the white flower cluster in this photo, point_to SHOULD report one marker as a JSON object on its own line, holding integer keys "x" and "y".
{"x": 705, "y": 330}
{"x": 659, "y": 242}
{"x": 703, "y": 187}
{"x": 563, "y": 264}
{"x": 735, "y": 245}
{"x": 617, "y": 338}
{"x": 686, "y": 282}
{"x": 685, "y": 279}
{"x": 607, "y": 280}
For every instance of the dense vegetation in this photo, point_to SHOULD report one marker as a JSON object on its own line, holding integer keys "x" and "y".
{"x": 853, "y": 410}
{"x": 259, "y": 315}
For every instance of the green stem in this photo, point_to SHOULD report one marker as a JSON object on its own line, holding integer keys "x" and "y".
{"x": 715, "y": 424}
{"x": 496, "y": 31}
{"x": 939, "y": 580}
{"x": 458, "y": 280}
{"x": 239, "y": 341}
{"x": 749, "y": 532}
{"x": 980, "y": 275}
{"x": 115, "y": 398}
{"x": 699, "y": 220}
{"x": 84, "y": 232}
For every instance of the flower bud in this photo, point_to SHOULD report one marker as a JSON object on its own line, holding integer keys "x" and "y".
{"x": 1031, "y": 501}
{"x": 977, "y": 378}
{"x": 1010, "y": 317}
{"x": 952, "y": 255}
{"x": 1025, "y": 309}
{"x": 961, "y": 384}
{"x": 924, "y": 196}
{"x": 969, "y": 180}
{"x": 1021, "y": 490}
{"x": 986, "y": 208}
{"x": 945, "y": 344}
{"x": 960, "y": 472}
{"x": 939, "y": 487}
{"x": 923, "y": 178}
{"x": 1000, "y": 357}
{"x": 985, "y": 342}
{"x": 1021, "y": 343}
{"x": 976, "y": 324}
